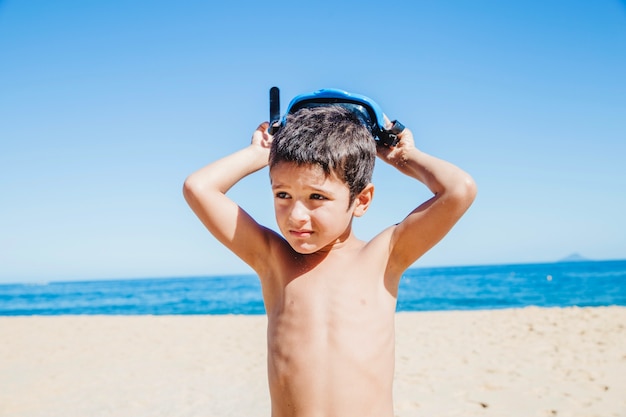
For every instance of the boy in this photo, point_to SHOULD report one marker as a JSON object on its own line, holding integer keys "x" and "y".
{"x": 330, "y": 297}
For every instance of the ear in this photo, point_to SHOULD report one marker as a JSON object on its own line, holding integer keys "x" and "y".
{"x": 363, "y": 200}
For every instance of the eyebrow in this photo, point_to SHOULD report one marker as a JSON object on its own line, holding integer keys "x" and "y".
{"x": 308, "y": 188}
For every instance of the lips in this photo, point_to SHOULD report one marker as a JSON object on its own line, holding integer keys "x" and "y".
{"x": 301, "y": 233}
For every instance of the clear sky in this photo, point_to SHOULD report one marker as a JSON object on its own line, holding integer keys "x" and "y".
{"x": 106, "y": 107}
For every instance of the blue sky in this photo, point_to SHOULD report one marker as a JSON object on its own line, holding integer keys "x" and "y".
{"x": 106, "y": 107}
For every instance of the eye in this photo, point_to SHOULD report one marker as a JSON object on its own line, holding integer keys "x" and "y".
{"x": 316, "y": 196}
{"x": 282, "y": 195}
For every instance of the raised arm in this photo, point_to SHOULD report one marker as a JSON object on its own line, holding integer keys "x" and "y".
{"x": 454, "y": 191}
{"x": 205, "y": 192}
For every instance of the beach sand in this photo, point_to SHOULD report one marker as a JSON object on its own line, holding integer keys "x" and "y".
{"x": 520, "y": 362}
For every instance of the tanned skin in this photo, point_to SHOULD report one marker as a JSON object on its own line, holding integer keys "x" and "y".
{"x": 330, "y": 297}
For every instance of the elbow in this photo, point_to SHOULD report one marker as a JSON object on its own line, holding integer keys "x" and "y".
{"x": 471, "y": 189}
{"x": 465, "y": 192}
{"x": 191, "y": 188}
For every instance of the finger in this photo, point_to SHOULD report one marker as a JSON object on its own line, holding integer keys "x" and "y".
{"x": 404, "y": 133}
{"x": 263, "y": 126}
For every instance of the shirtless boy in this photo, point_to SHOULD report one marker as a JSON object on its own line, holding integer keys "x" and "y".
{"x": 330, "y": 298}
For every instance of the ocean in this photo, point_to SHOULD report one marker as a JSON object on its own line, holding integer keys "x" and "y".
{"x": 561, "y": 284}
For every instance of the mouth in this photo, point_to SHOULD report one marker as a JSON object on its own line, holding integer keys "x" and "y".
{"x": 301, "y": 233}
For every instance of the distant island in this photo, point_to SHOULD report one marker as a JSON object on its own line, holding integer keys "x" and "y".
{"x": 574, "y": 257}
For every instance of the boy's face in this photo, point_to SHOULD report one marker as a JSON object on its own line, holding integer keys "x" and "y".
{"x": 313, "y": 210}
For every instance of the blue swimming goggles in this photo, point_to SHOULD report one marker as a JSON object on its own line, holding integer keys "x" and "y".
{"x": 364, "y": 108}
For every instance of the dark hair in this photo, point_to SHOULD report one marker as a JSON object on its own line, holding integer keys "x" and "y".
{"x": 331, "y": 137}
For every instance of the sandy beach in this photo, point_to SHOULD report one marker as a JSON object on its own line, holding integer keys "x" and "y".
{"x": 520, "y": 362}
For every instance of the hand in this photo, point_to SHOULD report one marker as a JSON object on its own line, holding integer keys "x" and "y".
{"x": 261, "y": 136}
{"x": 396, "y": 155}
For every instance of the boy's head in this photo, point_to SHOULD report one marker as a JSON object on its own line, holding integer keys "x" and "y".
{"x": 332, "y": 138}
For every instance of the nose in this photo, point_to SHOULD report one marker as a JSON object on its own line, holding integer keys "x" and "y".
{"x": 299, "y": 213}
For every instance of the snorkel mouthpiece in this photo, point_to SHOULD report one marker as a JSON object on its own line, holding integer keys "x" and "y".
{"x": 364, "y": 108}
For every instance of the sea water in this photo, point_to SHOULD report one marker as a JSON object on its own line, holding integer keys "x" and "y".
{"x": 598, "y": 283}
